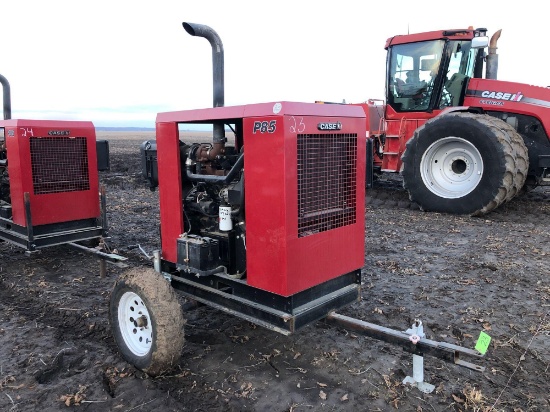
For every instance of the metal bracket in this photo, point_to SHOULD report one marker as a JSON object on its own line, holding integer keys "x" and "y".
{"x": 416, "y": 333}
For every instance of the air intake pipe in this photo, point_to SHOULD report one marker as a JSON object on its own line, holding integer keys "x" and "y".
{"x": 209, "y": 34}
{"x": 6, "y": 97}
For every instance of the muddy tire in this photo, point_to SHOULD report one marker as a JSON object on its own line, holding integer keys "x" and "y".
{"x": 147, "y": 321}
{"x": 521, "y": 157}
{"x": 461, "y": 163}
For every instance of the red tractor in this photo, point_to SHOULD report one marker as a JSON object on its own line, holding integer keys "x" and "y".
{"x": 464, "y": 144}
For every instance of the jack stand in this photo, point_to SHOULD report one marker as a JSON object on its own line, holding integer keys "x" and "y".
{"x": 102, "y": 268}
{"x": 416, "y": 333}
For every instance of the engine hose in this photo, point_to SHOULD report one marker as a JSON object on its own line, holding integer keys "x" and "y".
{"x": 194, "y": 177}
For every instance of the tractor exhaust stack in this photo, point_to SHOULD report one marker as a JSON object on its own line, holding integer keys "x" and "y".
{"x": 491, "y": 70}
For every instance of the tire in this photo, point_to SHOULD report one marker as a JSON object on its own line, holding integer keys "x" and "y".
{"x": 152, "y": 342}
{"x": 521, "y": 156}
{"x": 461, "y": 163}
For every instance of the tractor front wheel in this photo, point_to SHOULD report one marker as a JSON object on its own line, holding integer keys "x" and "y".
{"x": 147, "y": 321}
{"x": 462, "y": 163}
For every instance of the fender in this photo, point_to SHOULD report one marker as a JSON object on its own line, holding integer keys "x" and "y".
{"x": 470, "y": 109}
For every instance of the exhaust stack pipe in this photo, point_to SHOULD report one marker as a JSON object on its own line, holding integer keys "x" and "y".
{"x": 209, "y": 34}
{"x": 491, "y": 69}
{"x": 6, "y": 97}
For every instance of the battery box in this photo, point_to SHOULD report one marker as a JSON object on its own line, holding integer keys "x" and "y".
{"x": 198, "y": 254}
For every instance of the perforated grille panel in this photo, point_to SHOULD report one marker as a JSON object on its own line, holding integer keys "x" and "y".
{"x": 59, "y": 164}
{"x": 327, "y": 174}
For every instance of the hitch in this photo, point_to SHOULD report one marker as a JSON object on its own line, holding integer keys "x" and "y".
{"x": 104, "y": 256}
{"x": 155, "y": 258}
{"x": 112, "y": 258}
{"x": 413, "y": 341}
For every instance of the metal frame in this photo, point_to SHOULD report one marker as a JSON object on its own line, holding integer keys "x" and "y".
{"x": 287, "y": 315}
{"x": 27, "y": 238}
{"x": 282, "y": 314}
{"x": 33, "y": 238}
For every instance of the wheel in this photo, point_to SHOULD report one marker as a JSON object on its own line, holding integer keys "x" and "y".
{"x": 147, "y": 321}
{"x": 461, "y": 163}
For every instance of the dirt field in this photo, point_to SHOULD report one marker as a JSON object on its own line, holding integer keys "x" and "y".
{"x": 459, "y": 275}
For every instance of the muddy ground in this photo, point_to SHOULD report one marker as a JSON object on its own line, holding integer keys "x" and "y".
{"x": 458, "y": 275}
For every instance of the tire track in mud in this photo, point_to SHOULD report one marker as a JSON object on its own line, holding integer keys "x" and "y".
{"x": 69, "y": 324}
{"x": 74, "y": 339}
{"x": 67, "y": 340}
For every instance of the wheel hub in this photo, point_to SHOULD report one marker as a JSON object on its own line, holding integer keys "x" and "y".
{"x": 459, "y": 166}
{"x": 134, "y": 324}
{"x": 141, "y": 322}
{"x": 451, "y": 167}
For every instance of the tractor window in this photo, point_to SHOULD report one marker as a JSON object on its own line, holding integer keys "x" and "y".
{"x": 412, "y": 69}
{"x": 461, "y": 69}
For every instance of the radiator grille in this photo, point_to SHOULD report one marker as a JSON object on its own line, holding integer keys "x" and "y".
{"x": 327, "y": 175}
{"x": 59, "y": 164}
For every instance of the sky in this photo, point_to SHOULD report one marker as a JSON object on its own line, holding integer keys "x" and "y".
{"x": 118, "y": 63}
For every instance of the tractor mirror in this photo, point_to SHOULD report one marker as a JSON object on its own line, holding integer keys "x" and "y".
{"x": 480, "y": 42}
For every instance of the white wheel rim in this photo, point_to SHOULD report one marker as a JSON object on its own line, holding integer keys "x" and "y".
{"x": 451, "y": 167}
{"x": 135, "y": 324}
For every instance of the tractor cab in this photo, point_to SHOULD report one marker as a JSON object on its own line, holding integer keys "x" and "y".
{"x": 425, "y": 74}
{"x": 429, "y": 72}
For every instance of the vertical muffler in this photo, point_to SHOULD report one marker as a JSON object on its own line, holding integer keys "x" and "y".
{"x": 491, "y": 70}
{"x": 200, "y": 30}
{"x": 7, "y": 97}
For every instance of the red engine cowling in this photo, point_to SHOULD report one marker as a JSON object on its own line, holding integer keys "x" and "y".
{"x": 304, "y": 199}
{"x": 55, "y": 162}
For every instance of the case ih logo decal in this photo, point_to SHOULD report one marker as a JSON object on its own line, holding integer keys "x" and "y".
{"x": 500, "y": 98}
{"x": 59, "y": 132}
{"x": 265, "y": 127}
{"x": 511, "y": 97}
{"x": 330, "y": 126}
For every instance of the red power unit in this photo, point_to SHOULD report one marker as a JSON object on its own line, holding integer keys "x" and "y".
{"x": 51, "y": 170}
{"x": 298, "y": 204}
{"x": 266, "y": 221}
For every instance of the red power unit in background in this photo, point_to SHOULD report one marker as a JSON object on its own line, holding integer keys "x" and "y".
{"x": 55, "y": 162}
{"x": 50, "y": 170}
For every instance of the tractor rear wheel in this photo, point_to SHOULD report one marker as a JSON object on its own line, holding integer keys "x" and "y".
{"x": 147, "y": 321}
{"x": 462, "y": 163}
